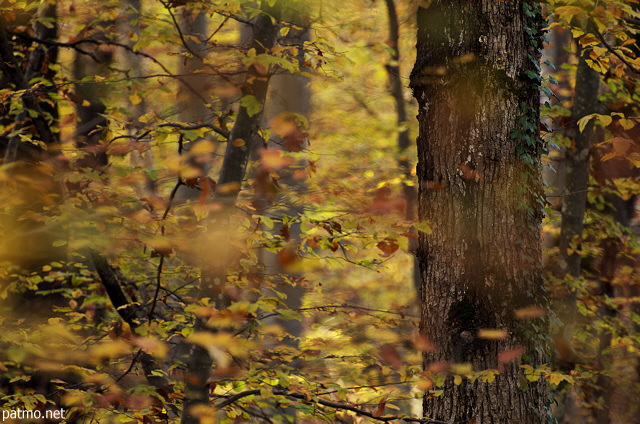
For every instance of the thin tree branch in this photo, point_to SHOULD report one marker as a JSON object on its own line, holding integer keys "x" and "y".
{"x": 128, "y": 313}
{"x": 218, "y": 130}
{"x": 74, "y": 45}
{"x": 180, "y": 34}
{"x": 330, "y": 404}
{"x": 615, "y": 53}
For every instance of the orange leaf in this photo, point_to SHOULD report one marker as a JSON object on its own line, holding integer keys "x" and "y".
{"x": 388, "y": 247}
{"x": 380, "y": 408}
{"x": 422, "y": 343}
{"x": 530, "y": 312}
{"x": 469, "y": 174}
{"x": 390, "y": 355}
{"x": 286, "y": 257}
{"x": 510, "y": 355}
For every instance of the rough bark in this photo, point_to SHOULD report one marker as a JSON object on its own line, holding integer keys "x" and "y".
{"x": 479, "y": 178}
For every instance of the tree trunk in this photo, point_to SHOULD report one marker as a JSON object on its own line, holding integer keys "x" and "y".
{"x": 242, "y": 139}
{"x": 476, "y": 80}
{"x": 585, "y": 102}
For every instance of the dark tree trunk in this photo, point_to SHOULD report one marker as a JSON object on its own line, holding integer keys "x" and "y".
{"x": 242, "y": 140}
{"x": 24, "y": 57}
{"x": 409, "y": 191}
{"x": 577, "y": 157}
{"x": 476, "y": 81}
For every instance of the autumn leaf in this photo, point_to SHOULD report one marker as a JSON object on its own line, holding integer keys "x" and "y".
{"x": 287, "y": 127}
{"x": 469, "y": 174}
{"x": 422, "y": 343}
{"x": 390, "y": 356}
{"x": 380, "y": 407}
{"x": 388, "y": 247}
{"x": 286, "y": 257}
{"x": 511, "y": 355}
{"x": 285, "y": 232}
{"x": 492, "y": 334}
{"x": 530, "y": 312}
{"x": 273, "y": 159}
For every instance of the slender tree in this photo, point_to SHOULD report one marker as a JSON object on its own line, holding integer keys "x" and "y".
{"x": 476, "y": 80}
{"x": 241, "y": 142}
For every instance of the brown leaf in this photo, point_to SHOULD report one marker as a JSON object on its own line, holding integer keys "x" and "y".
{"x": 120, "y": 149}
{"x": 192, "y": 182}
{"x": 388, "y": 247}
{"x": 272, "y": 159}
{"x": 285, "y": 232}
{"x": 422, "y": 343}
{"x": 380, "y": 407}
{"x": 313, "y": 242}
{"x": 312, "y": 166}
{"x": 286, "y": 257}
{"x": 437, "y": 368}
{"x": 207, "y": 189}
{"x": 390, "y": 356}
{"x": 510, "y": 355}
{"x": 383, "y": 203}
{"x": 469, "y": 174}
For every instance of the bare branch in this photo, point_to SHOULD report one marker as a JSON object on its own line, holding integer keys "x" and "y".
{"x": 183, "y": 127}
{"x": 330, "y": 404}
{"x": 615, "y": 53}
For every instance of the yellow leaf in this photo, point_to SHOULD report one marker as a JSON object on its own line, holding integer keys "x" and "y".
{"x": 108, "y": 350}
{"x": 576, "y": 32}
{"x": 457, "y": 380}
{"x": 462, "y": 369}
{"x": 266, "y": 393}
{"x": 589, "y": 39}
{"x": 424, "y": 384}
{"x": 202, "y": 147}
{"x": 627, "y": 124}
{"x": 492, "y": 334}
{"x": 530, "y": 312}
{"x": 598, "y": 51}
{"x": 489, "y": 376}
{"x": 568, "y": 12}
{"x": 135, "y": 99}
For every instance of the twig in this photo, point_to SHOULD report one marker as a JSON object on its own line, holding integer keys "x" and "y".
{"x": 180, "y": 34}
{"x": 615, "y": 53}
{"x": 74, "y": 45}
{"x": 330, "y": 404}
{"x": 183, "y": 127}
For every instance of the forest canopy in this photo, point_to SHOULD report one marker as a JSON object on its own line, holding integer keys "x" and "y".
{"x": 287, "y": 211}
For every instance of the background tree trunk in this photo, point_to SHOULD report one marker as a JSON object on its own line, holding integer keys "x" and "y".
{"x": 476, "y": 81}
{"x": 216, "y": 261}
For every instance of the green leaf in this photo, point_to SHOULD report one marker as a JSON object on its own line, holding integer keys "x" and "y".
{"x": 252, "y": 104}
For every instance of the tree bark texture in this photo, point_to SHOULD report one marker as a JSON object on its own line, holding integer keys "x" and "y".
{"x": 476, "y": 81}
